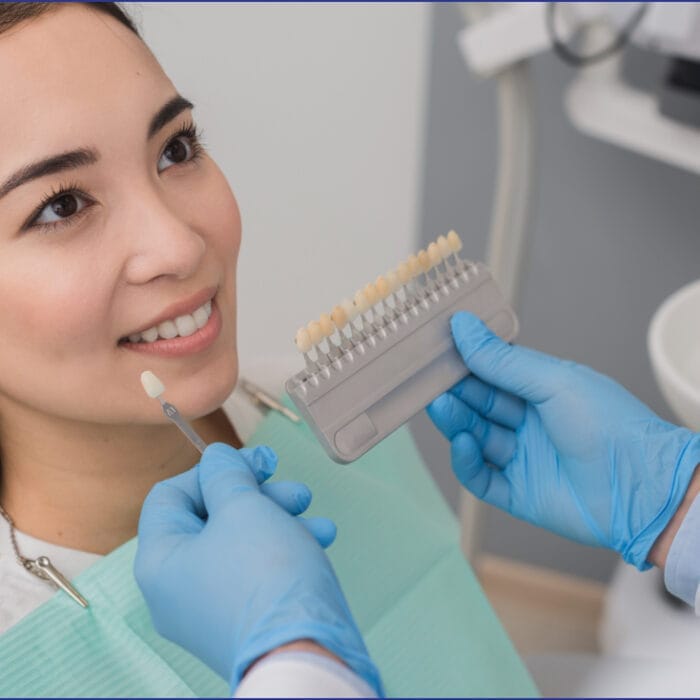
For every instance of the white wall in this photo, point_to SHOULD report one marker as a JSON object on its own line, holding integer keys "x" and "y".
{"x": 315, "y": 114}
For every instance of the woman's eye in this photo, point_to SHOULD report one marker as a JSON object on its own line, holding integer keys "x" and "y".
{"x": 62, "y": 207}
{"x": 179, "y": 150}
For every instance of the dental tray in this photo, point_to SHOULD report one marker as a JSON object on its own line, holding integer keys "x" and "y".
{"x": 374, "y": 362}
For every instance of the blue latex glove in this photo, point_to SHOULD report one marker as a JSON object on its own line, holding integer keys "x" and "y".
{"x": 562, "y": 446}
{"x": 230, "y": 574}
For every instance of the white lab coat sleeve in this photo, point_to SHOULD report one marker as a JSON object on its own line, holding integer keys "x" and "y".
{"x": 301, "y": 675}
{"x": 682, "y": 572}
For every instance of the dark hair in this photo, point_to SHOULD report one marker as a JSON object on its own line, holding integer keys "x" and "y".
{"x": 12, "y": 13}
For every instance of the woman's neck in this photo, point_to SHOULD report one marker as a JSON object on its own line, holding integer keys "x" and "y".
{"x": 83, "y": 486}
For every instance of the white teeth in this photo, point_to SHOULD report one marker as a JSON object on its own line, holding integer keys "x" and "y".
{"x": 185, "y": 325}
{"x": 167, "y": 330}
{"x": 200, "y": 316}
{"x": 182, "y": 326}
{"x": 150, "y": 335}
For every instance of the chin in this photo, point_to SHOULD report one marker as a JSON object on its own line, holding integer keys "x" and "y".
{"x": 204, "y": 392}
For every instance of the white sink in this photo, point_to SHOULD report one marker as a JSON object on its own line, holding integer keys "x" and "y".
{"x": 673, "y": 342}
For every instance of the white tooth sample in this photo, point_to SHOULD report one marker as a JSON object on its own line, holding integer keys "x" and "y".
{"x": 454, "y": 241}
{"x": 326, "y": 324}
{"x": 314, "y": 328}
{"x": 151, "y": 384}
{"x": 150, "y": 335}
{"x": 303, "y": 340}
{"x": 200, "y": 317}
{"x": 424, "y": 261}
{"x": 444, "y": 246}
{"x": 371, "y": 294}
{"x": 167, "y": 330}
{"x": 361, "y": 301}
{"x": 413, "y": 266}
{"x": 434, "y": 254}
{"x": 185, "y": 325}
{"x": 350, "y": 309}
{"x": 382, "y": 286}
{"x": 339, "y": 316}
{"x": 134, "y": 337}
{"x": 393, "y": 281}
{"x": 404, "y": 273}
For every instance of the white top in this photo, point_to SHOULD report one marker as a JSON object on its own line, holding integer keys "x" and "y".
{"x": 282, "y": 675}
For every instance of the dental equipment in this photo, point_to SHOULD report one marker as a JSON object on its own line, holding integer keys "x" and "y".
{"x": 259, "y": 396}
{"x": 154, "y": 388}
{"x": 390, "y": 353}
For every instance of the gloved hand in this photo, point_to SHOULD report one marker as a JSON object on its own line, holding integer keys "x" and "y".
{"x": 562, "y": 446}
{"x": 229, "y": 574}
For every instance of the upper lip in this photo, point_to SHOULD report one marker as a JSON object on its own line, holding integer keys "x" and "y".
{"x": 179, "y": 308}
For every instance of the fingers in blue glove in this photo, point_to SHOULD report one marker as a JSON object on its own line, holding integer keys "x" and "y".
{"x": 529, "y": 374}
{"x": 262, "y": 461}
{"x": 452, "y": 417}
{"x": 224, "y": 473}
{"x": 491, "y": 403}
{"x": 173, "y": 507}
{"x": 487, "y": 483}
{"x": 293, "y": 496}
{"x": 323, "y": 529}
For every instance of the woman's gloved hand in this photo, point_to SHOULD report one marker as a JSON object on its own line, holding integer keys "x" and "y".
{"x": 562, "y": 446}
{"x": 229, "y": 573}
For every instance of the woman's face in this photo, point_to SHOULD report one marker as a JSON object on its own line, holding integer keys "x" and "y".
{"x": 142, "y": 232}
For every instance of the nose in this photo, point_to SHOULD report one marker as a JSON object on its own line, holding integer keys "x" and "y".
{"x": 161, "y": 242}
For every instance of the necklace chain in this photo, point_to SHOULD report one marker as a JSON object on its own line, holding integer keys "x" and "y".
{"x": 29, "y": 564}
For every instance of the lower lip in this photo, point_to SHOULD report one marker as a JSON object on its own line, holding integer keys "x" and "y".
{"x": 179, "y": 347}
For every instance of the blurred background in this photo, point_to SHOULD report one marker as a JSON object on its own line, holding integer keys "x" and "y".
{"x": 353, "y": 134}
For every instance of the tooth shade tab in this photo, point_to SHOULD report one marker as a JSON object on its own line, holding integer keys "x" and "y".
{"x": 382, "y": 287}
{"x": 434, "y": 254}
{"x": 339, "y": 317}
{"x": 350, "y": 309}
{"x": 393, "y": 281}
{"x": 360, "y": 301}
{"x": 444, "y": 247}
{"x": 424, "y": 261}
{"x": 371, "y": 294}
{"x": 315, "y": 333}
{"x": 151, "y": 384}
{"x": 404, "y": 273}
{"x": 326, "y": 324}
{"x": 454, "y": 241}
{"x": 413, "y": 266}
{"x": 303, "y": 340}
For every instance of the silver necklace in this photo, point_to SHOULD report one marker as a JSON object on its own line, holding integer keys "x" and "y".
{"x": 42, "y": 567}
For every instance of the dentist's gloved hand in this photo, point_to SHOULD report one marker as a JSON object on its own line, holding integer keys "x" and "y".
{"x": 229, "y": 573}
{"x": 562, "y": 446}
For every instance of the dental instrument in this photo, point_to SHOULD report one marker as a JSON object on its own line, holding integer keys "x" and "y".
{"x": 260, "y": 396}
{"x": 154, "y": 388}
{"x": 400, "y": 356}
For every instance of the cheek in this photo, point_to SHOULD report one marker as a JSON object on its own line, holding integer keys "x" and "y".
{"x": 51, "y": 308}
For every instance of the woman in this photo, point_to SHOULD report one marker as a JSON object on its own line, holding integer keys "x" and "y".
{"x": 113, "y": 221}
{"x": 118, "y": 244}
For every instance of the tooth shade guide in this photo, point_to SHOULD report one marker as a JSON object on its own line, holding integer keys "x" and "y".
{"x": 454, "y": 241}
{"x": 424, "y": 261}
{"x": 444, "y": 247}
{"x": 314, "y": 329}
{"x": 371, "y": 294}
{"x": 367, "y": 392}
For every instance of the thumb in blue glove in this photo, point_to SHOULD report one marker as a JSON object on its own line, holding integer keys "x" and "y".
{"x": 228, "y": 572}
{"x": 562, "y": 446}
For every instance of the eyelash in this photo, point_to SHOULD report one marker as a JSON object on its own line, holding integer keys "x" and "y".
{"x": 188, "y": 130}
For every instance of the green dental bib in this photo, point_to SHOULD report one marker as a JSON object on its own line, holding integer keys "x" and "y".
{"x": 424, "y": 617}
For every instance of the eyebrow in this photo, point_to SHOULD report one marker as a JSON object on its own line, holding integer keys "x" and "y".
{"x": 87, "y": 156}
